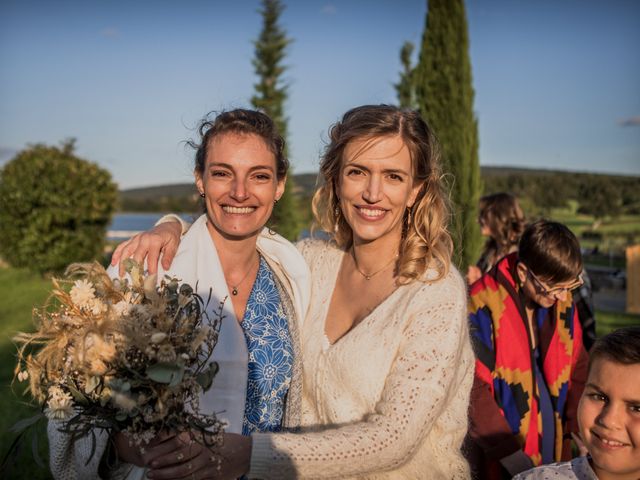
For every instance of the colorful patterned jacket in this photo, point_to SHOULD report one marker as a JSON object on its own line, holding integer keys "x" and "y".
{"x": 504, "y": 363}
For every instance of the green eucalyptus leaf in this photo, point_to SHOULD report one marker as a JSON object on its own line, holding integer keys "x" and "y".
{"x": 205, "y": 378}
{"x": 77, "y": 395}
{"x": 168, "y": 373}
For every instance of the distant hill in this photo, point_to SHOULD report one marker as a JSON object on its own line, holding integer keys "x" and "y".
{"x": 496, "y": 171}
{"x": 538, "y": 188}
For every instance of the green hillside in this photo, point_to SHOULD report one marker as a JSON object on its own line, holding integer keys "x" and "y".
{"x": 540, "y": 191}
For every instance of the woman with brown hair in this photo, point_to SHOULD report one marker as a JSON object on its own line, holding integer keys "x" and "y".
{"x": 387, "y": 360}
{"x": 502, "y": 222}
{"x": 259, "y": 278}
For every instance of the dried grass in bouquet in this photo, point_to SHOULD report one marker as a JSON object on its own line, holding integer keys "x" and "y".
{"x": 123, "y": 355}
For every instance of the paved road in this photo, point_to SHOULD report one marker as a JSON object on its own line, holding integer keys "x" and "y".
{"x": 611, "y": 300}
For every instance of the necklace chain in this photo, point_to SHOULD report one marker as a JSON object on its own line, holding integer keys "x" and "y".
{"x": 234, "y": 288}
{"x": 370, "y": 275}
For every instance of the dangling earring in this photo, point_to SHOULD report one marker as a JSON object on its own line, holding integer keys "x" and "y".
{"x": 408, "y": 217}
{"x": 336, "y": 219}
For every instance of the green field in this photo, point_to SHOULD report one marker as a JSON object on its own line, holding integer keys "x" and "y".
{"x": 21, "y": 292}
{"x": 611, "y": 235}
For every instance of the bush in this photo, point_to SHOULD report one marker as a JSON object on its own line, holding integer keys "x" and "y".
{"x": 55, "y": 208}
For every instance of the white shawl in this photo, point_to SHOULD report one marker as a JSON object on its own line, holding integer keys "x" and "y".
{"x": 197, "y": 263}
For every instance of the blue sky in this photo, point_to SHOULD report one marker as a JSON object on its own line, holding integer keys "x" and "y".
{"x": 557, "y": 81}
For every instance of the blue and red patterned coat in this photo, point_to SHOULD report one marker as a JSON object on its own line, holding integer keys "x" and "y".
{"x": 505, "y": 403}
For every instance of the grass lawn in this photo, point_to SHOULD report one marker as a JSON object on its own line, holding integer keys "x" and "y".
{"x": 607, "y": 321}
{"x": 21, "y": 291}
{"x": 615, "y": 233}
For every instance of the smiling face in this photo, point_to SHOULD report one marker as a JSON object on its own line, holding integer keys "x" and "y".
{"x": 376, "y": 185}
{"x": 609, "y": 418}
{"x": 240, "y": 185}
{"x": 542, "y": 293}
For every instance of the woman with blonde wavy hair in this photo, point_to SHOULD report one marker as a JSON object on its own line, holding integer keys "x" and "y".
{"x": 387, "y": 361}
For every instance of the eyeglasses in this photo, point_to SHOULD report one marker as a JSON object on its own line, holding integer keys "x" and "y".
{"x": 555, "y": 291}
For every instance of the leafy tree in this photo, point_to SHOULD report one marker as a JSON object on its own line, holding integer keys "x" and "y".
{"x": 270, "y": 96}
{"x": 599, "y": 197}
{"x": 444, "y": 94}
{"x": 55, "y": 208}
{"x": 405, "y": 87}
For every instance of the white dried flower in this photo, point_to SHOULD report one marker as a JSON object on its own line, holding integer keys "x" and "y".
{"x": 60, "y": 404}
{"x": 150, "y": 352}
{"x": 158, "y": 337}
{"x": 123, "y": 401}
{"x": 97, "y": 307}
{"x": 22, "y": 376}
{"x": 166, "y": 353}
{"x": 121, "y": 308}
{"x": 82, "y": 293}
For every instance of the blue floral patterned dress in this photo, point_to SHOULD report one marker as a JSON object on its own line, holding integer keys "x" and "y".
{"x": 270, "y": 355}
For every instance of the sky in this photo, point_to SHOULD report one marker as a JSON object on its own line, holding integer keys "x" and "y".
{"x": 557, "y": 82}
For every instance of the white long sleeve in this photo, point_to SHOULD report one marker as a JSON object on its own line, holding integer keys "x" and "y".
{"x": 390, "y": 398}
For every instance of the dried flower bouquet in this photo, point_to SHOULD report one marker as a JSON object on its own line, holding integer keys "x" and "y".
{"x": 124, "y": 355}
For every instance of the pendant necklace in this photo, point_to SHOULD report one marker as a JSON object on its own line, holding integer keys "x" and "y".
{"x": 370, "y": 275}
{"x": 234, "y": 288}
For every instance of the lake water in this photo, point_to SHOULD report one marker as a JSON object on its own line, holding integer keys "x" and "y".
{"x": 124, "y": 225}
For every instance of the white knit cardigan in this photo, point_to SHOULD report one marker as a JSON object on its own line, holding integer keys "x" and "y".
{"x": 389, "y": 399}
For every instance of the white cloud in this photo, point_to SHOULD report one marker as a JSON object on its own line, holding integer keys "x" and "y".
{"x": 630, "y": 122}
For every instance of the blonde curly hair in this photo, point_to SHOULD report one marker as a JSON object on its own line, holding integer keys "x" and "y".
{"x": 426, "y": 242}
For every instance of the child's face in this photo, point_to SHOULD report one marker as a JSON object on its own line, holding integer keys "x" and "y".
{"x": 609, "y": 418}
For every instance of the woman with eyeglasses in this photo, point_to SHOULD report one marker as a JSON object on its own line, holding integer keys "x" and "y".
{"x": 531, "y": 364}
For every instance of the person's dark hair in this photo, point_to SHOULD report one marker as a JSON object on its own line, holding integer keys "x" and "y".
{"x": 502, "y": 215}
{"x": 550, "y": 251}
{"x": 620, "y": 346}
{"x": 426, "y": 238}
{"x": 244, "y": 122}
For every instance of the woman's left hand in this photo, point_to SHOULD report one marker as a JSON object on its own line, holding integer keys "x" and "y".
{"x": 182, "y": 457}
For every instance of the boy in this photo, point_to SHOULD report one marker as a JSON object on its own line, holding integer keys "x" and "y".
{"x": 608, "y": 414}
{"x": 530, "y": 361}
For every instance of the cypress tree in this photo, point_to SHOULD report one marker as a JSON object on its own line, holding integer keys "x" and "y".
{"x": 444, "y": 93}
{"x": 405, "y": 86}
{"x": 270, "y": 96}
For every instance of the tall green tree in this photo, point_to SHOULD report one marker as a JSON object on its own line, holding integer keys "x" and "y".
{"x": 444, "y": 94}
{"x": 405, "y": 87}
{"x": 55, "y": 208}
{"x": 271, "y": 93}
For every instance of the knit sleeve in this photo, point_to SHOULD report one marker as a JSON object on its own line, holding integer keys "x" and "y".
{"x": 311, "y": 248}
{"x": 72, "y": 460}
{"x": 433, "y": 360}
{"x": 172, "y": 217}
